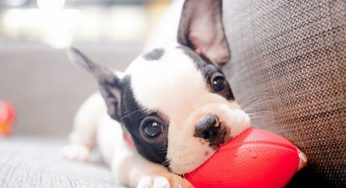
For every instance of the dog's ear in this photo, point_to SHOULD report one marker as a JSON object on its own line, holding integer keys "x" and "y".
{"x": 108, "y": 82}
{"x": 201, "y": 29}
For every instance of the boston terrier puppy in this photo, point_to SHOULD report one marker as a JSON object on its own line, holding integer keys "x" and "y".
{"x": 168, "y": 112}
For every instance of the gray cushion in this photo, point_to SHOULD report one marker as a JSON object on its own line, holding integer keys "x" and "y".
{"x": 28, "y": 162}
{"x": 288, "y": 70}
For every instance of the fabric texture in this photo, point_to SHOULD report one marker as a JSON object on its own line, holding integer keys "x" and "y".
{"x": 288, "y": 70}
{"x": 38, "y": 163}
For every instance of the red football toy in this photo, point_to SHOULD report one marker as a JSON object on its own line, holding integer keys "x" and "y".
{"x": 255, "y": 158}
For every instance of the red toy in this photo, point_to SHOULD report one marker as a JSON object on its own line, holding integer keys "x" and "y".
{"x": 255, "y": 158}
{"x": 6, "y": 117}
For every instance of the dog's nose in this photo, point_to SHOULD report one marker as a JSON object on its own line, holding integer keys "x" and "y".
{"x": 210, "y": 129}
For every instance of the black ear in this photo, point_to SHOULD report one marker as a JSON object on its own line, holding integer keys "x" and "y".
{"x": 109, "y": 83}
{"x": 201, "y": 29}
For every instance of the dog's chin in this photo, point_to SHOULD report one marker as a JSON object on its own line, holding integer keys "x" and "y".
{"x": 186, "y": 159}
{"x": 184, "y": 167}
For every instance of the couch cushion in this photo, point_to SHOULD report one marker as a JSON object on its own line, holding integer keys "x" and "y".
{"x": 32, "y": 162}
{"x": 288, "y": 71}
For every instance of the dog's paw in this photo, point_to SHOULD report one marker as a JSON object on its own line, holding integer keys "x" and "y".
{"x": 173, "y": 181}
{"x": 77, "y": 152}
{"x": 153, "y": 182}
{"x": 178, "y": 182}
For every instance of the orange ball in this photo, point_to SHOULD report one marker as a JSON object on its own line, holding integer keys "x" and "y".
{"x": 5, "y": 129}
{"x": 6, "y": 117}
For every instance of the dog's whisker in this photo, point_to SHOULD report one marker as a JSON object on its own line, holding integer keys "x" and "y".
{"x": 254, "y": 116}
{"x": 165, "y": 163}
{"x": 249, "y": 100}
{"x": 264, "y": 95}
{"x": 263, "y": 98}
{"x": 252, "y": 105}
{"x": 258, "y": 112}
{"x": 131, "y": 113}
{"x": 252, "y": 102}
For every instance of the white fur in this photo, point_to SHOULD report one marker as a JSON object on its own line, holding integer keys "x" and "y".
{"x": 109, "y": 138}
{"x": 83, "y": 136}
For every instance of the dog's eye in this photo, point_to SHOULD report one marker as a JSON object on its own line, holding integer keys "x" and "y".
{"x": 218, "y": 82}
{"x": 153, "y": 128}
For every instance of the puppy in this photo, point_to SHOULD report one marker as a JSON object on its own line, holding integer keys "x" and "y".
{"x": 168, "y": 112}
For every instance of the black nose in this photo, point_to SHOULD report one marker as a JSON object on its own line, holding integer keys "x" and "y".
{"x": 210, "y": 129}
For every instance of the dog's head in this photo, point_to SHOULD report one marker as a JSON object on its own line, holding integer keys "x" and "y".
{"x": 175, "y": 102}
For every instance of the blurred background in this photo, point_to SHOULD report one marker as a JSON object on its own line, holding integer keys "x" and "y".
{"x": 35, "y": 74}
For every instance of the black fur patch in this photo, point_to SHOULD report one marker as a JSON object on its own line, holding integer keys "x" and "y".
{"x": 154, "y": 54}
{"x": 132, "y": 114}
